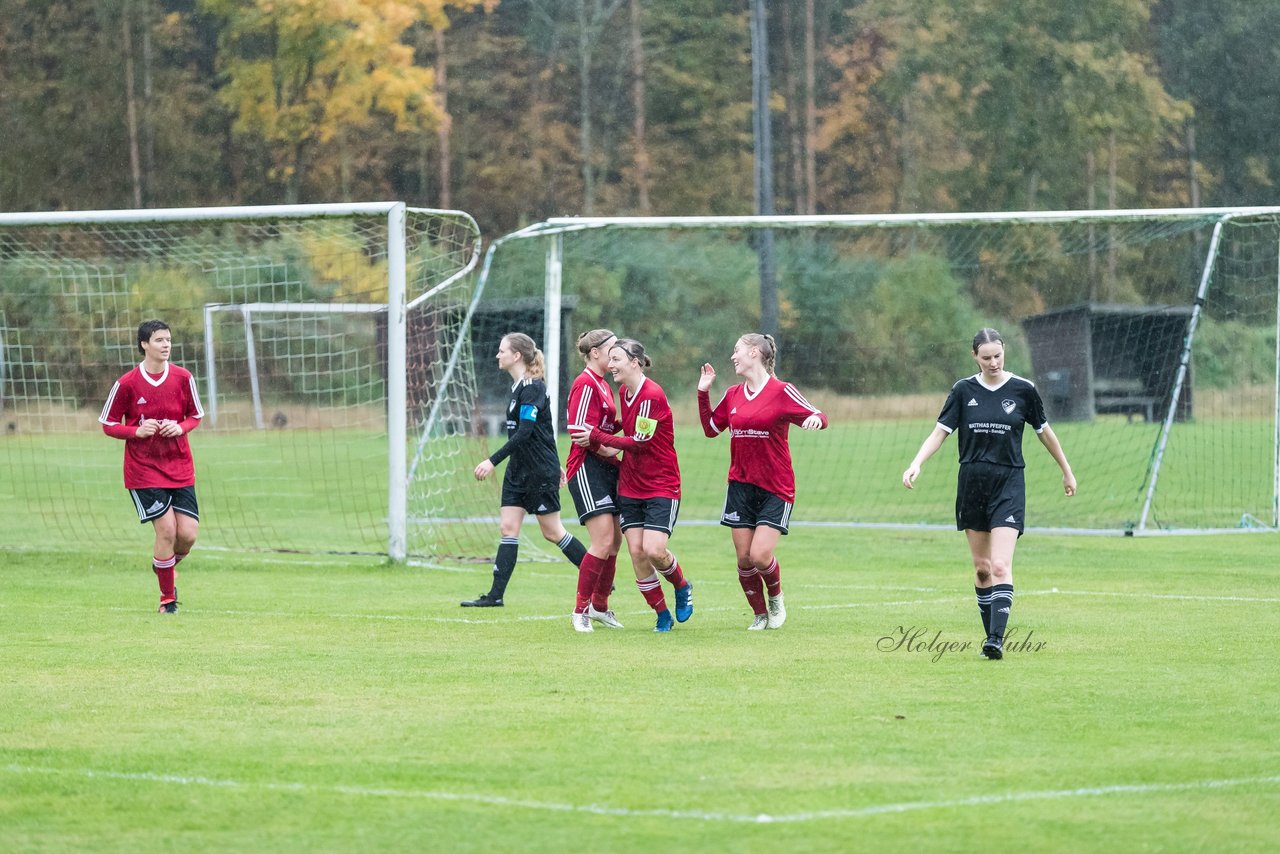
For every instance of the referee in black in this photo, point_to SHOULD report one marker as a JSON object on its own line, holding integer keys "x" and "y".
{"x": 533, "y": 478}
{"x": 988, "y": 411}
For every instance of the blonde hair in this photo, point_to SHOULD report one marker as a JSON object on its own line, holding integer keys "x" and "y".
{"x": 535, "y": 365}
{"x": 589, "y": 341}
{"x": 768, "y": 348}
{"x": 634, "y": 350}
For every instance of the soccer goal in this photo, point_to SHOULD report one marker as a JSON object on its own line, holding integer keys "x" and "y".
{"x": 1151, "y": 335}
{"x": 320, "y": 336}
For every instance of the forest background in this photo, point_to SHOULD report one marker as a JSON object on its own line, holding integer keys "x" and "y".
{"x": 517, "y": 110}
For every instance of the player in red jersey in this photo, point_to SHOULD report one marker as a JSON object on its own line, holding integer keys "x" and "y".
{"x": 762, "y": 483}
{"x": 593, "y": 482}
{"x": 152, "y": 408}
{"x": 648, "y": 480}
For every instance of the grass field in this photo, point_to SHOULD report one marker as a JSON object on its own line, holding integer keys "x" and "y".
{"x": 326, "y": 704}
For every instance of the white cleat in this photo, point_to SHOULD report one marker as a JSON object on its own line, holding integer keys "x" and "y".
{"x": 582, "y": 623}
{"x": 760, "y": 622}
{"x": 605, "y": 618}
{"x": 777, "y": 612}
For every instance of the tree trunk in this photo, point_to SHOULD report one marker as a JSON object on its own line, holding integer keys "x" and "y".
{"x": 1192, "y": 179}
{"x": 445, "y": 129}
{"x": 638, "y": 96}
{"x": 795, "y": 140}
{"x": 584, "y": 109}
{"x": 131, "y": 104}
{"x": 810, "y": 113}
{"x": 148, "y": 113}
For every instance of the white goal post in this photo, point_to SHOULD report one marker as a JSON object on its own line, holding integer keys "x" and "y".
{"x": 1151, "y": 333}
{"x": 336, "y": 319}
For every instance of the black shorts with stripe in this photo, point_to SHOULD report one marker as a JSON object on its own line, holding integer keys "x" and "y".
{"x": 539, "y": 500}
{"x": 990, "y": 496}
{"x": 749, "y": 506}
{"x": 594, "y": 487}
{"x": 154, "y": 502}
{"x": 652, "y": 514}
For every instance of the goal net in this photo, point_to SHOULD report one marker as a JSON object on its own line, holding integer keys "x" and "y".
{"x": 1151, "y": 336}
{"x": 328, "y": 348}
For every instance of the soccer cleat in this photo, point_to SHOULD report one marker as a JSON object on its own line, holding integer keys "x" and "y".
{"x": 169, "y": 607}
{"x": 993, "y": 649}
{"x": 484, "y": 600}
{"x": 664, "y": 621}
{"x": 777, "y": 611}
{"x": 684, "y": 602}
{"x": 605, "y": 618}
{"x": 760, "y": 622}
{"x": 582, "y": 622}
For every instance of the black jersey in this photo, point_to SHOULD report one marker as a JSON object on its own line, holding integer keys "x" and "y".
{"x": 531, "y": 440}
{"x": 990, "y": 420}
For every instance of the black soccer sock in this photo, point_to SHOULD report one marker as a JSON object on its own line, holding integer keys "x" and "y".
{"x": 984, "y": 606}
{"x": 1001, "y": 605}
{"x": 573, "y": 549}
{"x": 503, "y": 565}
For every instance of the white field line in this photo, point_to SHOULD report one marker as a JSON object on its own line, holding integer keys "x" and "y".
{"x": 624, "y": 812}
{"x": 640, "y": 613}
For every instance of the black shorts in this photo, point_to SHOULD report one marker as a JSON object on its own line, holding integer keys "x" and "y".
{"x": 652, "y": 514}
{"x": 593, "y": 487}
{"x": 539, "y": 499}
{"x": 154, "y": 502}
{"x": 990, "y": 496}
{"x": 748, "y": 506}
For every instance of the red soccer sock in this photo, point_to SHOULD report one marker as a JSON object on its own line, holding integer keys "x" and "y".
{"x": 163, "y": 568}
{"x": 753, "y": 587}
{"x": 651, "y": 590}
{"x": 588, "y": 576}
{"x": 604, "y": 583}
{"x": 772, "y": 575}
{"x": 674, "y": 574}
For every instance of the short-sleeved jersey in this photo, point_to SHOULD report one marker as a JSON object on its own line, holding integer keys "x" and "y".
{"x": 156, "y": 461}
{"x": 758, "y": 424}
{"x": 590, "y": 405}
{"x": 531, "y": 439}
{"x": 989, "y": 420}
{"x": 650, "y": 468}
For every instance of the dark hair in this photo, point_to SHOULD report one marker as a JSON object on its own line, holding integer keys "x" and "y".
{"x": 589, "y": 341}
{"x": 986, "y": 335}
{"x": 634, "y": 350}
{"x": 534, "y": 363}
{"x": 768, "y": 348}
{"x": 148, "y": 328}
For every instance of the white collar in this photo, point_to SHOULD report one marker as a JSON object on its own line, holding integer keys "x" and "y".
{"x": 164, "y": 375}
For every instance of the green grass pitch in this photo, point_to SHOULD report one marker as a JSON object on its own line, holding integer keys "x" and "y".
{"x": 342, "y": 704}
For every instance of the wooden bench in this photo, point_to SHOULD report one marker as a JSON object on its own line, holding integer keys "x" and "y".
{"x": 1127, "y": 396}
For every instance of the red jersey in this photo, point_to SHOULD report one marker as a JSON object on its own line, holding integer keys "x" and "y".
{"x": 590, "y": 405}
{"x": 648, "y": 442}
{"x": 156, "y": 461}
{"x": 758, "y": 425}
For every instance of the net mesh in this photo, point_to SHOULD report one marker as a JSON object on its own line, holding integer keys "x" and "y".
{"x": 876, "y": 320}
{"x": 283, "y": 322}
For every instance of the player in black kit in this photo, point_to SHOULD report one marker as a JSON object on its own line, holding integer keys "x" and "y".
{"x": 534, "y": 477}
{"x": 988, "y": 410}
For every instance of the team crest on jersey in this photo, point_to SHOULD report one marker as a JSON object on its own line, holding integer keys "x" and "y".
{"x": 645, "y": 428}
{"x": 1008, "y": 406}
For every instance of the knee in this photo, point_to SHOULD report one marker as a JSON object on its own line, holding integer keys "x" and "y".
{"x": 1001, "y": 571}
{"x": 761, "y": 560}
{"x": 982, "y": 571}
{"x": 552, "y": 536}
{"x": 657, "y": 557}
